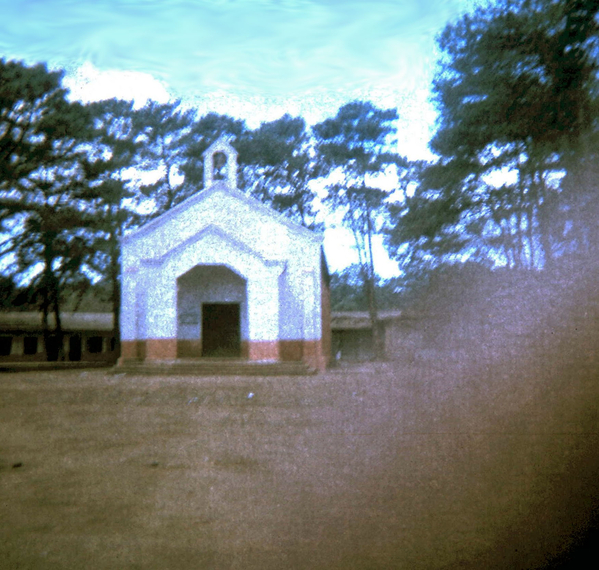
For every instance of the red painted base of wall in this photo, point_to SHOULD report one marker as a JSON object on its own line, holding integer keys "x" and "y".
{"x": 308, "y": 351}
{"x": 313, "y": 355}
{"x": 263, "y": 350}
{"x": 161, "y": 349}
{"x": 245, "y": 349}
{"x": 133, "y": 349}
{"x": 291, "y": 350}
{"x": 189, "y": 348}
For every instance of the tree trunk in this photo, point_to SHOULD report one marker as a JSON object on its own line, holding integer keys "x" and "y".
{"x": 544, "y": 223}
{"x": 51, "y": 298}
{"x": 378, "y": 342}
{"x": 58, "y": 334}
{"x": 45, "y": 327}
{"x": 115, "y": 276}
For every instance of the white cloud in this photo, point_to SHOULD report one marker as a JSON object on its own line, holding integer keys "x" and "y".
{"x": 87, "y": 84}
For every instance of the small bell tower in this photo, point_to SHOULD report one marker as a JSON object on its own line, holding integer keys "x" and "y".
{"x": 220, "y": 163}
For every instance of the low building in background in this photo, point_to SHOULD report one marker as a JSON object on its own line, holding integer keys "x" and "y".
{"x": 87, "y": 337}
{"x": 352, "y": 334}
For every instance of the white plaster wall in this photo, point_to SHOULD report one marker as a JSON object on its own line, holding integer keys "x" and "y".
{"x": 290, "y": 315}
{"x": 231, "y": 212}
{"x": 211, "y": 249}
{"x": 263, "y": 306}
{"x": 208, "y": 284}
{"x": 161, "y": 304}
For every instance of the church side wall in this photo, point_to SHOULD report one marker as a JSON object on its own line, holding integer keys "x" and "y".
{"x": 133, "y": 314}
{"x": 326, "y": 321}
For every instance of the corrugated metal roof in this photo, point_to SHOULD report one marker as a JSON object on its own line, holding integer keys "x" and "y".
{"x": 30, "y": 321}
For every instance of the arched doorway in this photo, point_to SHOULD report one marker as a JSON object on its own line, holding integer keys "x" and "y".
{"x": 212, "y": 313}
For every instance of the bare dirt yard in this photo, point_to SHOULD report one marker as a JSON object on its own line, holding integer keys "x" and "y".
{"x": 436, "y": 463}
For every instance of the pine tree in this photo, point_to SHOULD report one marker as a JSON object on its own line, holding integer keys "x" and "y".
{"x": 42, "y": 182}
{"x": 355, "y": 146}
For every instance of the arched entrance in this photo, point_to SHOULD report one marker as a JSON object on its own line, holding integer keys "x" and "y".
{"x": 212, "y": 313}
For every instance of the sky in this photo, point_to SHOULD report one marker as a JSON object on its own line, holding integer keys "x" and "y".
{"x": 251, "y": 59}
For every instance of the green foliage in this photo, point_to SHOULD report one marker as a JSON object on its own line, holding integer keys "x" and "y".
{"x": 119, "y": 143}
{"x": 516, "y": 94}
{"x": 358, "y": 140}
{"x": 355, "y": 147}
{"x": 30, "y": 100}
{"x": 42, "y": 184}
{"x": 348, "y": 293}
{"x": 164, "y": 131}
{"x": 278, "y": 165}
{"x": 8, "y": 292}
{"x": 516, "y": 71}
{"x": 347, "y": 290}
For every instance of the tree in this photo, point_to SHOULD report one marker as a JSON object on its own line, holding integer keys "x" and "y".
{"x": 347, "y": 291}
{"x": 113, "y": 199}
{"x": 163, "y": 136}
{"x": 8, "y": 292}
{"x": 278, "y": 164}
{"x": 514, "y": 92}
{"x": 355, "y": 147}
{"x": 428, "y": 226}
{"x": 41, "y": 183}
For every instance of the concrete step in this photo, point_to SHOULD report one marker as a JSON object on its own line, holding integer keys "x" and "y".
{"x": 213, "y": 367}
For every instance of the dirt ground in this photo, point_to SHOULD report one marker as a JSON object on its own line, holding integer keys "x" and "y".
{"x": 425, "y": 464}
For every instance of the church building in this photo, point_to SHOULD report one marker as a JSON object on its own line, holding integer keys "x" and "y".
{"x": 222, "y": 275}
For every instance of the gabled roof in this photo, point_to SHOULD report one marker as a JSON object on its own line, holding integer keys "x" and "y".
{"x": 222, "y": 188}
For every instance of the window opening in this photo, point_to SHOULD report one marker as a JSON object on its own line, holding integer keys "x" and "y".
{"x": 30, "y": 345}
{"x": 5, "y": 345}
{"x": 94, "y": 344}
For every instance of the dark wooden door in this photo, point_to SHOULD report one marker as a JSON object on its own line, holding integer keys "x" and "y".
{"x": 52, "y": 348}
{"x": 75, "y": 347}
{"x": 221, "y": 330}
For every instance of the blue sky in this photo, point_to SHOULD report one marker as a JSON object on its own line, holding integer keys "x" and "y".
{"x": 261, "y": 57}
{"x": 253, "y": 59}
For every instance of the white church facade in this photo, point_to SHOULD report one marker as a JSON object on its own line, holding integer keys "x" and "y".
{"x": 223, "y": 275}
